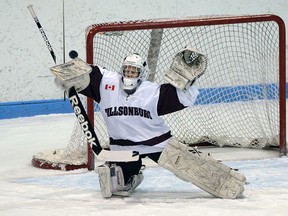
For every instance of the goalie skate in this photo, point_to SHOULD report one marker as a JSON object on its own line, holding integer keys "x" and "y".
{"x": 203, "y": 171}
{"x": 111, "y": 181}
{"x": 130, "y": 187}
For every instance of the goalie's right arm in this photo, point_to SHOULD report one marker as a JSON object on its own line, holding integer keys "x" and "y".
{"x": 74, "y": 73}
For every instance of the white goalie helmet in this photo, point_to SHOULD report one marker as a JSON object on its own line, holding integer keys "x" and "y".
{"x": 134, "y": 70}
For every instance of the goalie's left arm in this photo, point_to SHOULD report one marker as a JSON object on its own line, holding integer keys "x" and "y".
{"x": 188, "y": 65}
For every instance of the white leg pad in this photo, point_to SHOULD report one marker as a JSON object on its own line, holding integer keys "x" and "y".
{"x": 111, "y": 179}
{"x": 104, "y": 180}
{"x": 202, "y": 170}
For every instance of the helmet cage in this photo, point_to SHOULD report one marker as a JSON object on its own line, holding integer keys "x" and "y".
{"x": 135, "y": 63}
{"x": 133, "y": 71}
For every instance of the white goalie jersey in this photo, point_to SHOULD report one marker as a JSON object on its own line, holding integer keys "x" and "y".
{"x": 133, "y": 121}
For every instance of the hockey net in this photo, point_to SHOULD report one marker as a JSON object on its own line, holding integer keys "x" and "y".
{"x": 242, "y": 99}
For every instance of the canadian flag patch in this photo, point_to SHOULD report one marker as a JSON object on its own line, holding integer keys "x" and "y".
{"x": 109, "y": 87}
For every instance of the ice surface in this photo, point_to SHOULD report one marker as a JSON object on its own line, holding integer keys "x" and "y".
{"x": 26, "y": 190}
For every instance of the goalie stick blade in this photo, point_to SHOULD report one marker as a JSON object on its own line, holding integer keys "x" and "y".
{"x": 117, "y": 156}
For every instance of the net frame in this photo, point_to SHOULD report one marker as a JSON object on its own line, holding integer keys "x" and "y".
{"x": 69, "y": 159}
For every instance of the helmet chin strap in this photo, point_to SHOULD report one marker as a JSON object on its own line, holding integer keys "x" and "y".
{"x": 130, "y": 84}
{"x": 129, "y": 92}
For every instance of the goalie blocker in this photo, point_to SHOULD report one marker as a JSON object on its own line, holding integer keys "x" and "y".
{"x": 187, "y": 65}
{"x": 202, "y": 170}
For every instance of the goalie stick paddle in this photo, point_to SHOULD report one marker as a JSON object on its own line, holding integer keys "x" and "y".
{"x": 83, "y": 120}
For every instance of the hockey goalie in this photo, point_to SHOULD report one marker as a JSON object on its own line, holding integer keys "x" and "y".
{"x": 132, "y": 107}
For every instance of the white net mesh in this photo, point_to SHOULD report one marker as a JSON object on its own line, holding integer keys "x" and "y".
{"x": 238, "y": 103}
{"x": 75, "y": 152}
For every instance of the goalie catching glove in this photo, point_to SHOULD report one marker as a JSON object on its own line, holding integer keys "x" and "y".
{"x": 74, "y": 73}
{"x": 187, "y": 65}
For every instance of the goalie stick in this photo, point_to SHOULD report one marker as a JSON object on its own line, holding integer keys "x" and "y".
{"x": 86, "y": 126}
